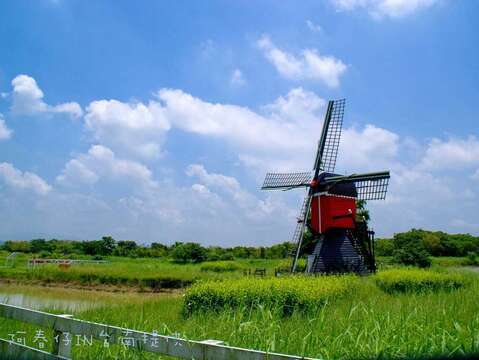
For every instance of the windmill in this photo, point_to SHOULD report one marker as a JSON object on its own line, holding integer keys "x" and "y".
{"x": 341, "y": 241}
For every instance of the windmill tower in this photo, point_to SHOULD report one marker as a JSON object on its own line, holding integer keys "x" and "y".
{"x": 342, "y": 243}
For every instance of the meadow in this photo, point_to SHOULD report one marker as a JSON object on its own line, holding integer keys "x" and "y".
{"x": 354, "y": 317}
{"x": 152, "y": 274}
{"x": 146, "y": 274}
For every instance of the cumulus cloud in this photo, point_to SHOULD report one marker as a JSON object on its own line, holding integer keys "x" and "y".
{"x": 215, "y": 180}
{"x": 310, "y": 65}
{"x": 252, "y": 207}
{"x": 132, "y": 127}
{"x": 454, "y": 153}
{"x": 381, "y": 8}
{"x": 100, "y": 162}
{"x": 237, "y": 124}
{"x": 27, "y": 98}
{"x": 368, "y": 149}
{"x": 298, "y": 106}
{"x": 16, "y": 179}
{"x": 5, "y": 132}
{"x": 283, "y": 136}
{"x": 237, "y": 78}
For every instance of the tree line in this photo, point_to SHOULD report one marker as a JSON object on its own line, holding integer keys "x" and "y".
{"x": 416, "y": 246}
{"x": 413, "y": 245}
{"x": 108, "y": 246}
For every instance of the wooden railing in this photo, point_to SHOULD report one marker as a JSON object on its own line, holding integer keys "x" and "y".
{"x": 40, "y": 261}
{"x": 63, "y": 325}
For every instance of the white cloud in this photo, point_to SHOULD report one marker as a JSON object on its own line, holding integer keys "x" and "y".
{"x": 27, "y": 98}
{"x": 5, "y": 132}
{"x": 237, "y": 78}
{"x": 239, "y": 125}
{"x": 454, "y": 153}
{"x": 381, "y": 8}
{"x": 298, "y": 106}
{"x": 310, "y": 65}
{"x": 281, "y": 138}
{"x": 215, "y": 180}
{"x": 369, "y": 149}
{"x": 16, "y": 179}
{"x": 101, "y": 162}
{"x": 313, "y": 27}
{"x": 132, "y": 127}
{"x": 252, "y": 208}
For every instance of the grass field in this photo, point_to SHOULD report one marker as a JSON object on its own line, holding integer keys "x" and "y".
{"x": 149, "y": 274}
{"x": 146, "y": 274}
{"x": 368, "y": 323}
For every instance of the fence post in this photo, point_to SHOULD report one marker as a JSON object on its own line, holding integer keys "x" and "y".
{"x": 61, "y": 347}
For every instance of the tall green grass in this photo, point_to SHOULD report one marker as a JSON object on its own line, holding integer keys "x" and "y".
{"x": 221, "y": 266}
{"x": 418, "y": 280}
{"x": 285, "y": 293}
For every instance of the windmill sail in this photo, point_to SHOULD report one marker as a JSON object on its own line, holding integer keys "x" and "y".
{"x": 286, "y": 181}
{"x": 330, "y": 136}
{"x": 371, "y": 186}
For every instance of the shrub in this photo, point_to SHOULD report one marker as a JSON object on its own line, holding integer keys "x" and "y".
{"x": 286, "y": 294}
{"x": 472, "y": 258}
{"x": 227, "y": 257}
{"x": 221, "y": 266}
{"x": 44, "y": 254}
{"x": 412, "y": 254}
{"x": 213, "y": 257}
{"x": 185, "y": 252}
{"x": 417, "y": 281}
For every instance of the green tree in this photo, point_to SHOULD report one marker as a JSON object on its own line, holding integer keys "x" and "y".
{"x": 17, "y": 246}
{"x": 384, "y": 247}
{"x": 38, "y": 245}
{"x": 432, "y": 244}
{"x": 189, "y": 252}
{"x": 106, "y": 245}
{"x": 125, "y": 248}
{"x": 409, "y": 249}
{"x": 414, "y": 255}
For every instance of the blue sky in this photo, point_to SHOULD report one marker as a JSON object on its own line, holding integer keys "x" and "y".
{"x": 156, "y": 121}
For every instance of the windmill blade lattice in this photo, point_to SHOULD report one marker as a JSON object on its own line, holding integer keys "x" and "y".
{"x": 274, "y": 181}
{"x": 372, "y": 189}
{"x": 333, "y": 136}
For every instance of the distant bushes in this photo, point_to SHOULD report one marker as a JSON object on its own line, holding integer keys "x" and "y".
{"x": 286, "y": 294}
{"x": 180, "y": 252}
{"x": 221, "y": 266}
{"x": 435, "y": 243}
{"x": 417, "y": 281}
{"x": 189, "y": 252}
